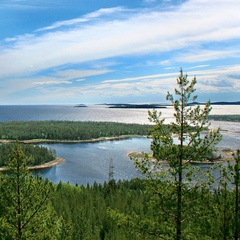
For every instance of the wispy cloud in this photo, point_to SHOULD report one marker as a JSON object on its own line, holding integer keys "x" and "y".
{"x": 206, "y": 55}
{"x": 103, "y": 12}
{"x": 52, "y": 82}
{"x": 140, "y": 78}
{"x": 140, "y": 33}
{"x": 24, "y": 4}
{"x": 192, "y": 34}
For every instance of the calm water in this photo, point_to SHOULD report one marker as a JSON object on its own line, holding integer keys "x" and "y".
{"x": 69, "y": 112}
{"x": 89, "y": 162}
{"x": 91, "y": 113}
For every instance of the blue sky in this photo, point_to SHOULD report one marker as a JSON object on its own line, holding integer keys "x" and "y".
{"x": 91, "y": 51}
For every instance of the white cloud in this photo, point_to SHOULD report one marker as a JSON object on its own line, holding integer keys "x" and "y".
{"x": 181, "y": 35}
{"x": 192, "y": 24}
{"x": 51, "y": 82}
{"x": 206, "y": 55}
{"x": 72, "y": 22}
{"x": 39, "y": 83}
{"x": 212, "y": 80}
{"x": 140, "y": 78}
{"x": 72, "y": 73}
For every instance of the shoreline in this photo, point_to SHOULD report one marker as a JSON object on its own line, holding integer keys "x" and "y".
{"x": 59, "y": 160}
{"x": 72, "y": 141}
{"x": 226, "y": 157}
{"x": 53, "y": 163}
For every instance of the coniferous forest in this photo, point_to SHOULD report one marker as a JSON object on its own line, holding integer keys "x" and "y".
{"x": 34, "y": 154}
{"x": 174, "y": 200}
{"x": 68, "y": 130}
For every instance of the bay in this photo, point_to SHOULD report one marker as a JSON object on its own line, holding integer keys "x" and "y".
{"x": 86, "y": 163}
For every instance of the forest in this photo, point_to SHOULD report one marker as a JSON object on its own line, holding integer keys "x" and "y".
{"x": 68, "y": 130}
{"x": 34, "y": 208}
{"x": 34, "y": 154}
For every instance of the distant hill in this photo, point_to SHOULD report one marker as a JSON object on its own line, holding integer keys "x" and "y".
{"x": 217, "y": 103}
{"x": 161, "y": 105}
{"x": 225, "y": 103}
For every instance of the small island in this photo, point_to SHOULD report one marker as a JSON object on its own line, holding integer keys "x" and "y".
{"x": 80, "y": 105}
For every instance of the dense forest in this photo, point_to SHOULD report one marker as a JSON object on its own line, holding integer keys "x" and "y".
{"x": 68, "y": 130}
{"x": 77, "y": 131}
{"x": 35, "y": 155}
{"x": 126, "y": 210}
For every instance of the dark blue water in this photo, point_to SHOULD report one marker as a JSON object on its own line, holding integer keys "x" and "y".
{"x": 89, "y": 162}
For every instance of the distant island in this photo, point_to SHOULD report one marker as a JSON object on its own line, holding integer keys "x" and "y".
{"x": 80, "y": 105}
{"x": 125, "y": 105}
{"x": 161, "y": 105}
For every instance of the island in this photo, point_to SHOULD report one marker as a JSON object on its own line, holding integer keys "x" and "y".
{"x": 80, "y": 105}
{"x": 143, "y": 106}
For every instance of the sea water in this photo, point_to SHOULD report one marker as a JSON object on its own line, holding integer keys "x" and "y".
{"x": 88, "y": 162}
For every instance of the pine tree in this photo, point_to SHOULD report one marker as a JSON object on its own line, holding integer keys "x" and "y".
{"x": 231, "y": 174}
{"x": 26, "y": 212}
{"x": 177, "y": 145}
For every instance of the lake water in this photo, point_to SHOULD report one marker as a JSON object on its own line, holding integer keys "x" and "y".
{"x": 89, "y": 162}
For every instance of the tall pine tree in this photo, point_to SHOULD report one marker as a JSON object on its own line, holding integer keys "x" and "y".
{"x": 175, "y": 146}
{"x": 26, "y": 212}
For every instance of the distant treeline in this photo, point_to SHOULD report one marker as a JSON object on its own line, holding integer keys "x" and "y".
{"x": 231, "y": 118}
{"x": 68, "y": 130}
{"x": 35, "y": 155}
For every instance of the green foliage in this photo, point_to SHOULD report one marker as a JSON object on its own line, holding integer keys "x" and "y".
{"x": 231, "y": 179}
{"x": 89, "y": 210}
{"x": 34, "y": 155}
{"x": 177, "y": 145}
{"x": 136, "y": 209}
{"x": 179, "y": 140}
{"x": 26, "y": 212}
{"x": 143, "y": 209}
{"x": 68, "y": 130}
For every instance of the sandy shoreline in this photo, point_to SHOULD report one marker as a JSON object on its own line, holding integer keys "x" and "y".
{"x": 226, "y": 156}
{"x": 55, "y": 162}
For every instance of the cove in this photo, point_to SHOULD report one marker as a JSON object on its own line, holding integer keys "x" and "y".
{"x": 86, "y": 163}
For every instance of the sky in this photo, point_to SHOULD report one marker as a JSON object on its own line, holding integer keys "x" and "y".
{"x": 118, "y": 51}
